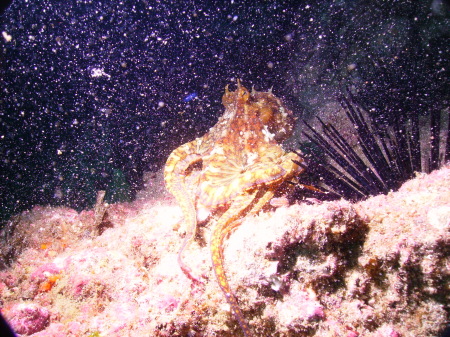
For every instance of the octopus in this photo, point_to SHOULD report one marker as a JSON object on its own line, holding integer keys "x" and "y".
{"x": 232, "y": 172}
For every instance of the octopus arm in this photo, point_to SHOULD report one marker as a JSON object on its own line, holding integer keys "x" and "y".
{"x": 270, "y": 172}
{"x": 174, "y": 175}
{"x": 227, "y": 222}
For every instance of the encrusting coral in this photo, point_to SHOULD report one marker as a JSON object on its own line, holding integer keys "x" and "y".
{"x": 379, "y": 267}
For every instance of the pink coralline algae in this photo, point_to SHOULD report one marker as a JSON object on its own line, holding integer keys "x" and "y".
{"x": 28, "y": 318}
{"x": 299, "y": 311}
{"x": 377, "y": 268}
{"x": 44, "y": 271}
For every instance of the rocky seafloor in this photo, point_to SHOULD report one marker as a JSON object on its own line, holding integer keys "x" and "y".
{"x": 379, "y": 267}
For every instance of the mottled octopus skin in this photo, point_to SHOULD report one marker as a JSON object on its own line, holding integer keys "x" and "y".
{"x": 232, "y": 172}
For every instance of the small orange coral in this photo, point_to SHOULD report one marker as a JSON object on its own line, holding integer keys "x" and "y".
{"x": 49, "y": 283}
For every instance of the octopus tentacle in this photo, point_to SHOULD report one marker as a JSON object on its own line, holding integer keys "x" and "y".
{"x": 227, "y": 222}
{"x": 177, "y": 164}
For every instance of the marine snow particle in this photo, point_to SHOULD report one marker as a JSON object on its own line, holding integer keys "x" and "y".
{"x": 99, "y": 72}
{"x": 6, "y": 36}
{"x": 288, "y": 37}
{"x": 351, "y": 66}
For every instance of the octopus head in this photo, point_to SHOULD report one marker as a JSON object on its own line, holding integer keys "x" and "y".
{"x": 279, "y": 120}
{"x": 272, "y": 113}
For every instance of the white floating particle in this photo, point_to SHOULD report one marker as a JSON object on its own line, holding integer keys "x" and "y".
{"x": 351, "y": 66}
{"x": 6, "y": 36}
{"x": 99, "y": 72}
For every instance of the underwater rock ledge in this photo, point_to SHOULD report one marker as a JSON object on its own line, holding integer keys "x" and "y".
{"x": 379, "y": 267}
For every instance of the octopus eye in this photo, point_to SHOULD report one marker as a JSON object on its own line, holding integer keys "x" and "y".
{"x": 245, "y": 94}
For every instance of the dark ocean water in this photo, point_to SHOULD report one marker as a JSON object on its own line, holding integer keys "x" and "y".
{"x": 95, "y": 93}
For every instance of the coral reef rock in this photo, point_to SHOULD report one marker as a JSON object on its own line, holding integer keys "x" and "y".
{"x": 379, "y": 267}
